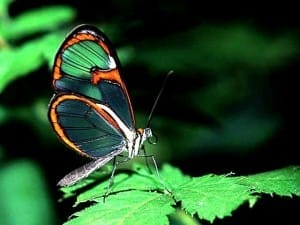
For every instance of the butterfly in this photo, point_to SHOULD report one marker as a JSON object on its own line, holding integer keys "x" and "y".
{"x": 90, "y": 111}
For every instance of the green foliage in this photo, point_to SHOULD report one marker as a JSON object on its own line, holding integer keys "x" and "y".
{"x": 31, "y": 55}
{"x": 39, "y": 51}
{"x": 284, "y": 182}
{"x": 134, "y": 207}
{"x": 27, "y": 24}
{"x": 4, "y": 8}
{"x": 138, "y": 197}
{"x": 218, "y": 49}
{"x": 24, "y": 196}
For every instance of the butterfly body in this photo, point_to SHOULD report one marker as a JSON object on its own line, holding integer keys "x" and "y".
{"x": 91, "y": 110}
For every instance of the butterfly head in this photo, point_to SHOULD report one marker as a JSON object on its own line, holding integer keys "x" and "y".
{"x": 141, "y": 136}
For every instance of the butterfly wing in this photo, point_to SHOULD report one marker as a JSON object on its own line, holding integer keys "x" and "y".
{"x": 91, "y": 111}
{"x": 85, "y": 126}
{"x": 87, "y": 65}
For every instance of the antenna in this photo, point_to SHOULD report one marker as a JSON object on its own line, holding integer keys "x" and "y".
{"x": 158, "y": 96}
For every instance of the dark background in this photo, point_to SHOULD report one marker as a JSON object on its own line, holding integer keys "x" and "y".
{"x": 271, "y": 92}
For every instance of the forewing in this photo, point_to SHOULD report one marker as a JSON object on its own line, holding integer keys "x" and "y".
{"x": 87, "y": 65}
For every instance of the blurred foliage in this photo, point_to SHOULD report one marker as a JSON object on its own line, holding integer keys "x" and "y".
{"x": 230, "y": 98}
{"x": 24, "y": 195}
{"x": 220, "y": 49}
{"x": 39, "y": 50}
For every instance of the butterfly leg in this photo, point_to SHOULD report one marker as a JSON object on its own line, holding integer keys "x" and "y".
{"x": 111, "y": 179}
{"x": 144, "y": 154}
{"x": 155, "y": 166}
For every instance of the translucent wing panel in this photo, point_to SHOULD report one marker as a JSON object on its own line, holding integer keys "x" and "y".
{"x": 69, "y": 84}
{"x": 80, "y": 58}
{"x": 116, "y": 99}
{"x": 79, "y": 123}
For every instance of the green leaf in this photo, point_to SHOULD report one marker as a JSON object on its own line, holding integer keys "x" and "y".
{"x": 132, "y": 207}
{"x": 140, "y": 180}
{"x": 283, "y": 182}
{"x": 209, "y": 197}
{"x": 173, "y": 177}
{"x": 212, "y": 196}
{"x": 49, "y": 18}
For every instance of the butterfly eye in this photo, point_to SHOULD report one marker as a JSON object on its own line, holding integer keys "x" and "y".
{"x": 152, "y": 139}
